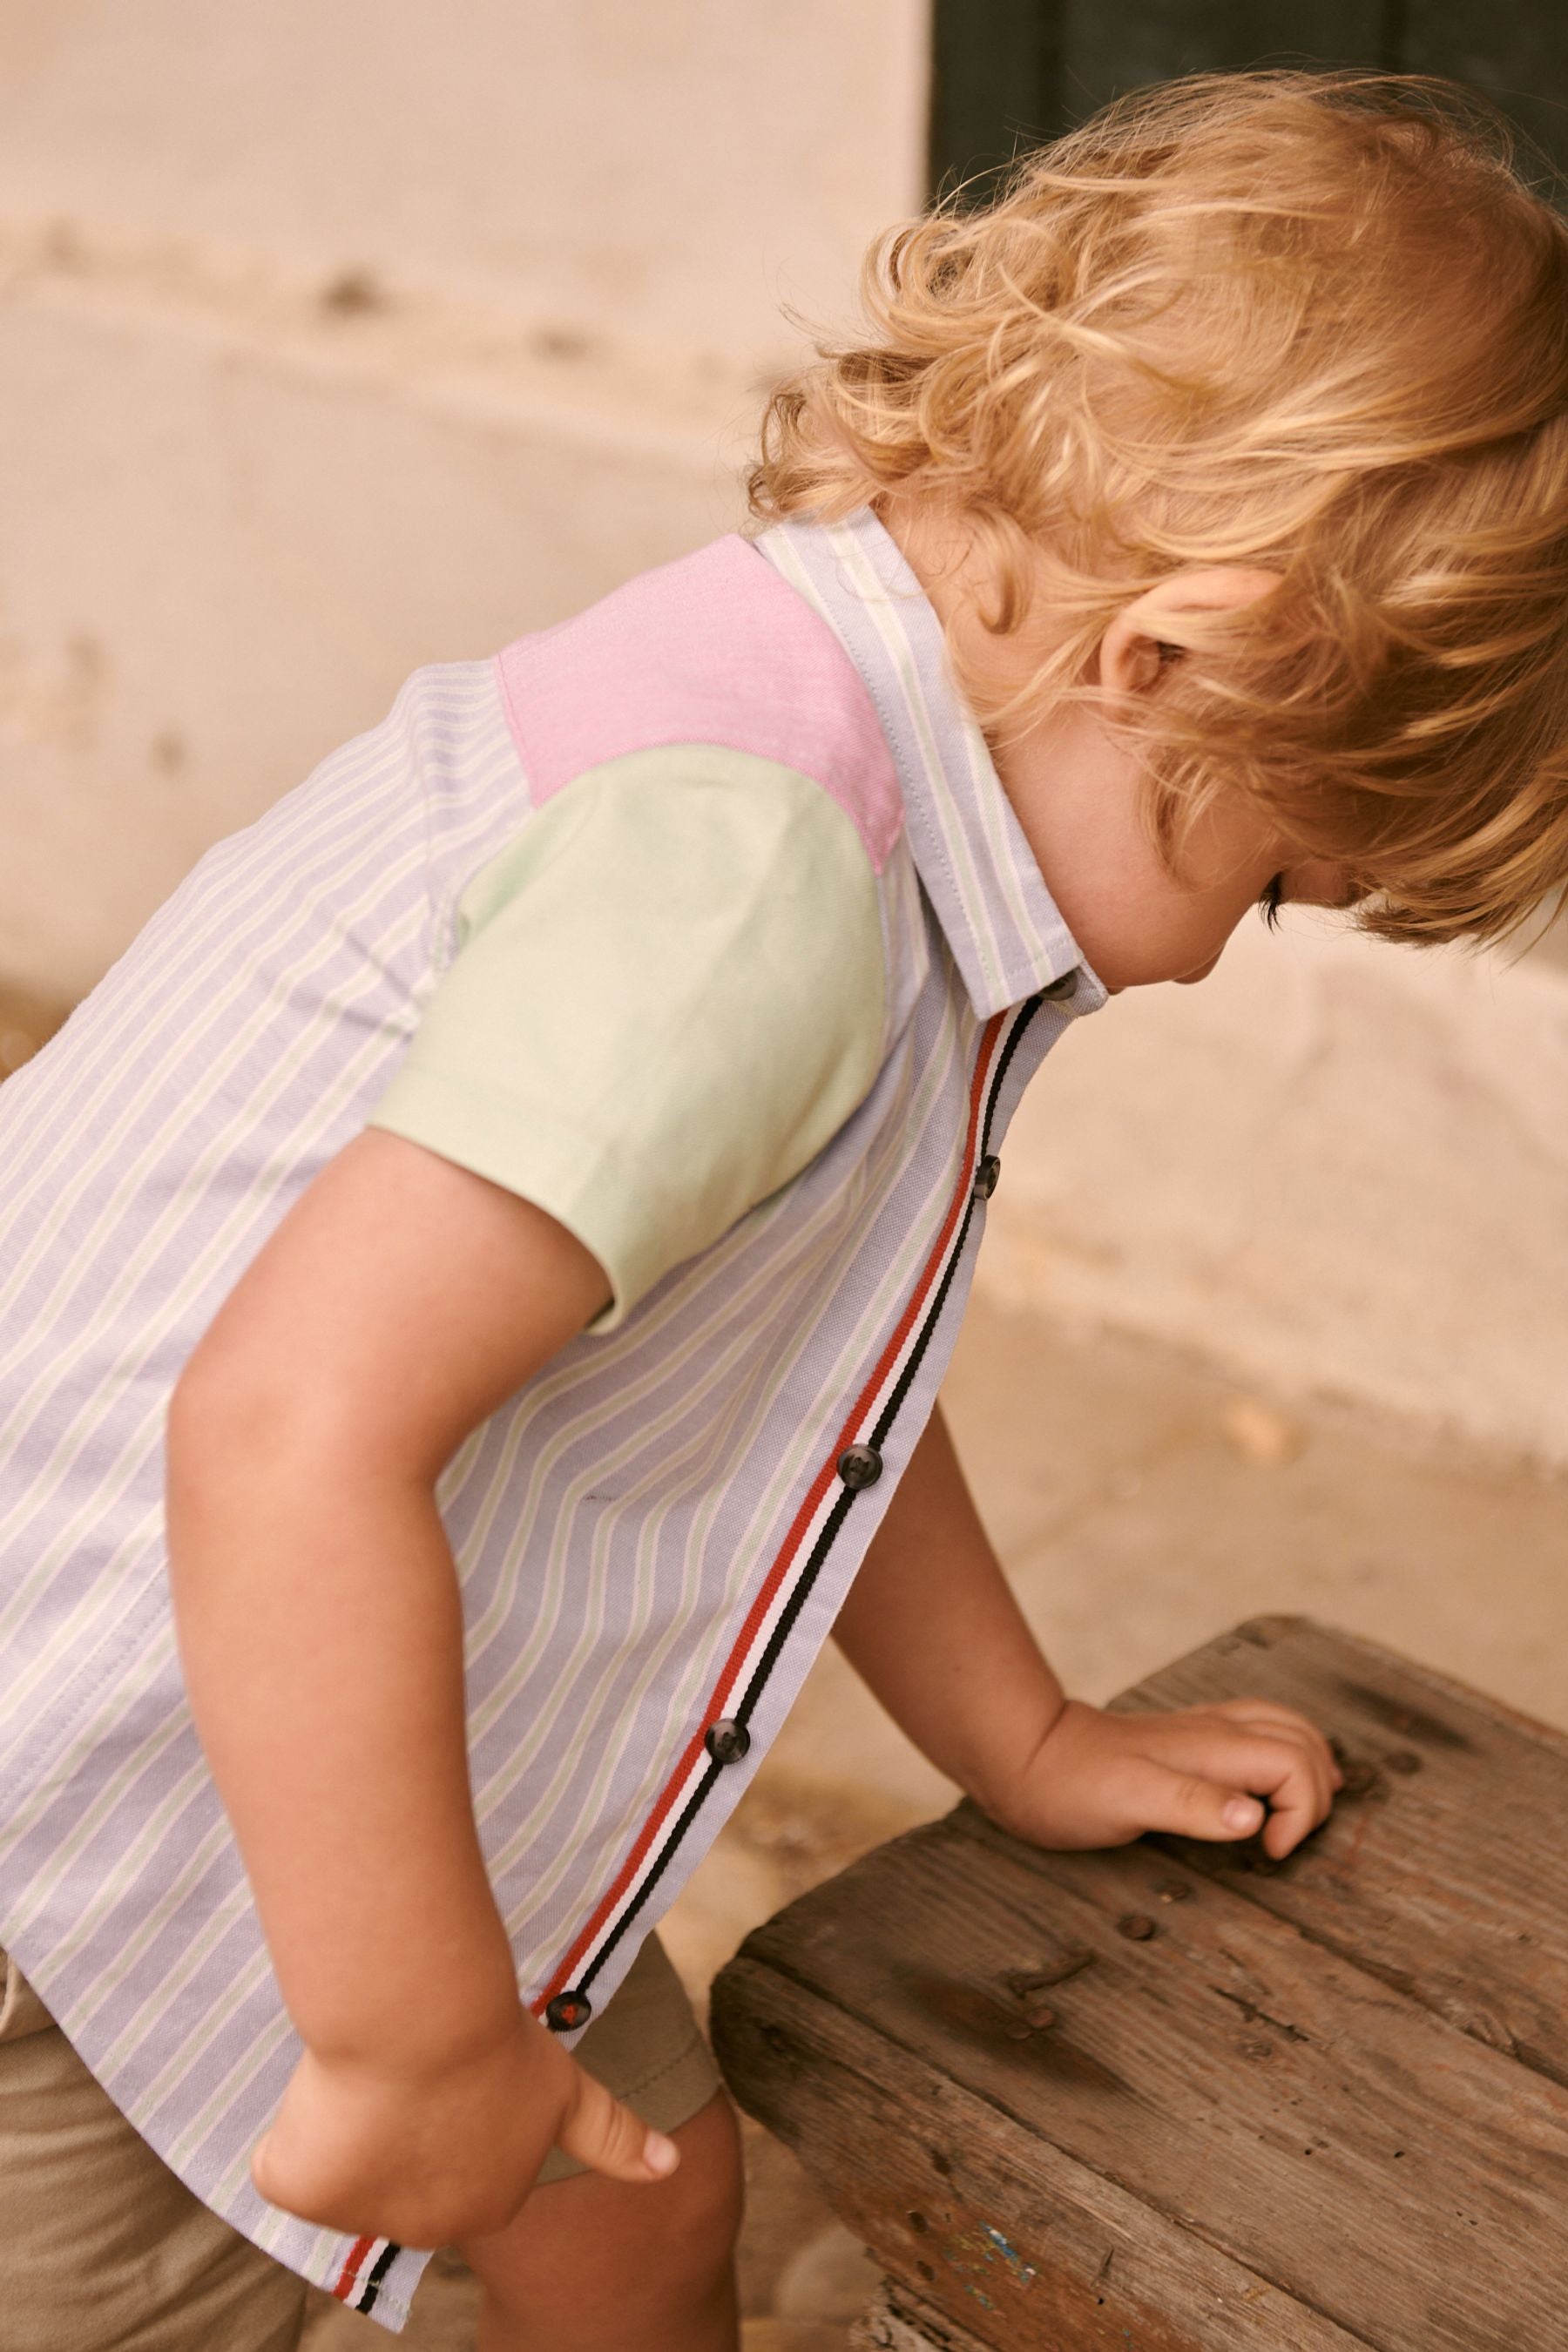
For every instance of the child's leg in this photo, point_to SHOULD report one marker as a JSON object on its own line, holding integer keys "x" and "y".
{"x": 103, "y": 2249}
{"x": 596, "y": 2265}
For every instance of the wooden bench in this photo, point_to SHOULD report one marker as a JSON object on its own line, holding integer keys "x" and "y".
{"x": 1177, "y": 2098}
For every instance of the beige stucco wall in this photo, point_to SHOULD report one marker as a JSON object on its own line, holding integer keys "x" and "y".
{"x": 341, "y": 335}
{"x": 1334, "y": 1165}
{"x": 652, "y": 176}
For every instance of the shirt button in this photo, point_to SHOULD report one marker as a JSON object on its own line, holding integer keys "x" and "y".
{"x": 986, "y": 1175}
{"x": 726, "y": 1741}
{"x": 568, "y": 2011}
{"x": 1055, "y": 991}
{"x": 859, "y": 1465}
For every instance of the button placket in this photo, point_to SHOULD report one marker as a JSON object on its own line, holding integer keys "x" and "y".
{"x": 728, "y": 1740}
{"x": 859, "y": 1467}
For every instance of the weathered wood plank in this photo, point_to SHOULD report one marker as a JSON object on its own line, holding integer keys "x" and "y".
{"x": 900, "y": 2321}
{"x": 1341, "y": 2079}
{"x": 1311, "y": 2123}
{"x": 1443, "y": 1868}
{"x": 988, "y": 2228}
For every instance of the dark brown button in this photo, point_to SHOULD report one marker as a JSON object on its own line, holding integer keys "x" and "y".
{"x": 859, "y": 1465}
{"x": 726, "y": 1742}
{"x": 1056, "y": 992}
{"x": 986, "y": 1175}
{"x": 1136, "y": 1927}
{"x": 568, "y": 2011}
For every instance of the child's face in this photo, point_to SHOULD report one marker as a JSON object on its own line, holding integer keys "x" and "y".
{"x": 1077, "y": 794}
{"x": 1076, "y": 790}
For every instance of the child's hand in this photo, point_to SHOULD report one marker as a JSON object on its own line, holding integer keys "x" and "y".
{"x": 1103, "y": 1779}
{"x": 428, "y": 2157}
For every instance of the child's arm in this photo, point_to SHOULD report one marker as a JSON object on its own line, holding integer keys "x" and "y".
{"x": 398, "y": 1306}
{"x": 932, "y": 1625}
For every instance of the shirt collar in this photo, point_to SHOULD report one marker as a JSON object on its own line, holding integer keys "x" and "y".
{"x": 979, "y": 873}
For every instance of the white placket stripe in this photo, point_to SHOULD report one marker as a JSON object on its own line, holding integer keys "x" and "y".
{"x": 768, "y": 1629}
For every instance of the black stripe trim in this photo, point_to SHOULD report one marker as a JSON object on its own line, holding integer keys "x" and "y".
{"x": 835, "y": 1520}
{"x": 827, "y": 1535}
{"x": 365, "y": 2300}
{"x": 663, "y": 1856}
{"x": 901, "y": 1388}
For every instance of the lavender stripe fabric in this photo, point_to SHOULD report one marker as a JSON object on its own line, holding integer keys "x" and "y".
{"x": 612, "y": 1525}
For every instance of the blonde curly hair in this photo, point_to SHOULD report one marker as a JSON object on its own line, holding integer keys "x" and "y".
{"x": 1313, "y": 323}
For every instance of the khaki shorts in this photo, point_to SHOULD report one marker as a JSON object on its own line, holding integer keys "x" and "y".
{"x": 103, "y": 2249}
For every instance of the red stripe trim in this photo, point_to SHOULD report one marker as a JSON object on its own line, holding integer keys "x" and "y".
{"x": 803, "y": 1518}
{"x": 351, "y": 2270}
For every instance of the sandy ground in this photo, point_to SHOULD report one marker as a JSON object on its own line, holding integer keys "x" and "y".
{"x": 1142, "y": 1505}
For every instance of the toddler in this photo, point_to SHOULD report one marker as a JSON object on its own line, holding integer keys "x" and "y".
{"x": 478, "y": 1273}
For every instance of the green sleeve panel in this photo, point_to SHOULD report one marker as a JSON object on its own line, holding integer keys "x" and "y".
{"x": 667, "y": 995}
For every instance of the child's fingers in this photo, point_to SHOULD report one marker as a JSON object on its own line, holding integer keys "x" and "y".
{"x": 1291, "y": 1730}
{"x": 1281, "y": 1764}
{"x": 1209, "y": 1782}
{"x": 1326, "y": 1776}
{"x": 1264, "y": 1710}
{"x": 1208, "y": 1739}
{"x": 1185, "y": 1804}
{"x": 608, "y": 2138}
{"x": 1304, "y": 1793}
{"x": 1266, "y": 1713}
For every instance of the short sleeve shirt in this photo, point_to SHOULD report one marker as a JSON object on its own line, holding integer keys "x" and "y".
{"x": 703, "y": 921}
{"x": 668, "y": 994}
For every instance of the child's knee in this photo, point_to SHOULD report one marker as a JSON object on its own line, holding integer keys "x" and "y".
{"x": 685, "y": 2229}
{"x": 588, "y": 2240}
{"x": 715, "y": 2184}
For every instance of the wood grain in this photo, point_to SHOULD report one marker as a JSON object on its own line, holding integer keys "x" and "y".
{"x": 1339, "y": 2082}
{"x": 985, "y": 2221}
{"x": 900, "y": 2321}
{"x": 1443, "y": 1868}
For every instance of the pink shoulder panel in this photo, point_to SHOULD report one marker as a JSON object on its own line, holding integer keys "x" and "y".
{"x": 714, "y": 648}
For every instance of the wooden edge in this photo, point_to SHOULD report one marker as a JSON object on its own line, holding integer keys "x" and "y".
{"x": 1085, "y": 2261}
{"x": 898, "y": 2321}
{"x": 1512, "y": 1718}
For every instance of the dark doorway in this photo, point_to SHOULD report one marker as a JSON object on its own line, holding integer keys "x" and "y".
{"x": 1011, "y": 72}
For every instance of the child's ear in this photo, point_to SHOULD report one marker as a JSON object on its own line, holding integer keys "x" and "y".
{"x": 1150, "y": 633}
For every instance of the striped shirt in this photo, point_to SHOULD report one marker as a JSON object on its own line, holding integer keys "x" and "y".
{"x": 654, "y": 1536}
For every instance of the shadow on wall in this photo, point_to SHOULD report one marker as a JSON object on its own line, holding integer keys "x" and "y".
{"x": 26, "y": 1022}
